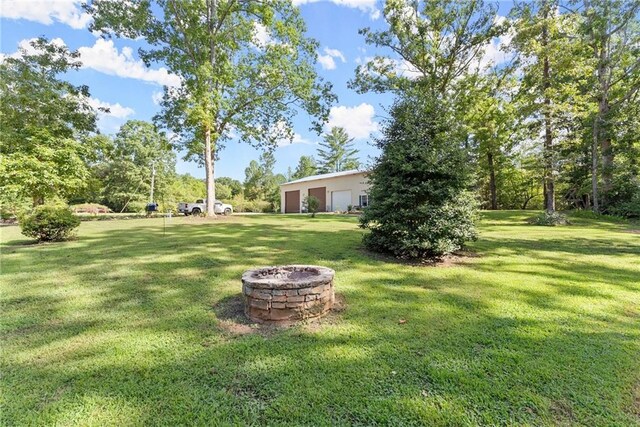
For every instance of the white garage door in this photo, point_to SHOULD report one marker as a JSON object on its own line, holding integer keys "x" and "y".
{"x": 340, "y": 200}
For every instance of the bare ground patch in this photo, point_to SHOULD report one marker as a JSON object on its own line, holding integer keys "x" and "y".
{"x": 562, "y": 412}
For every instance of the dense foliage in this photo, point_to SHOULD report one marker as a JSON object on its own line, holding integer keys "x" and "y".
{"x": 420, "y": 204}
{"x": 44, "y": 121}
{"x": 49, "y": 223}
{"x": 336, "y": 152}
{"x": 556, "y": 124}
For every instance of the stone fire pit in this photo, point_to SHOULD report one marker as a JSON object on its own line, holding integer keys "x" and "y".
{"x": 287, "y": 293}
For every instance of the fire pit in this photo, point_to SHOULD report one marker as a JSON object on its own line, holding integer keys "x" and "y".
{"x": 288, "y": 293}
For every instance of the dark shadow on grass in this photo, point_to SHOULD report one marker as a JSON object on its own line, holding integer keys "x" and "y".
{"x": 454, "y": 361}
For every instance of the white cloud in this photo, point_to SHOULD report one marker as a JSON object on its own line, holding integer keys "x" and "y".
{"x": 327, "y": 61}
{"x": 357, "y": 121}
{"x": 104, "y": 57}
{"x": 297, "y": 139}
{"x": 261, "y": 35}
{"x": 495, "y": 52}
{"x": 26, "y": 46}
{"x": 366, "y": 6}
{"x": 335, "y": 53}
{"x": 46, "y": 11}
{"x": 115, "y": 110}
{"x": 156, "y": 97}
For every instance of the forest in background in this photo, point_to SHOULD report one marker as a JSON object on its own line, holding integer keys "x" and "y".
{"x": 557, "y": 126}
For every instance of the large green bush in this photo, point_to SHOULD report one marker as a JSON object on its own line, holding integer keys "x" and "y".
{"x": 49, "y": 223}
{"x": 419, "y": 203}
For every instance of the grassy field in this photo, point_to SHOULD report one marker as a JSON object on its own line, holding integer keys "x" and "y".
{"x": 132, "y": 325}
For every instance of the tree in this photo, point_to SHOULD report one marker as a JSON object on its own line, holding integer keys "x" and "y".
{"x": 492, "y": 124}
{"x": 336, "y": 152}
{"x": 139, "y": 153}
{"x": 234, "y": 185}
{"x": 43, "y": 121}
{"x": 184, "y": 188}
{"x": 550, "y": 98}
{"x": 433, "y": 44}
{"x": 313, "y": 205}
{"x": 261, "y": 183}
{"x": 306, "y": 167}
{"x": 420, "y": 207}
{"x": 610, "y": 29}
{"x": 231, "y": 80}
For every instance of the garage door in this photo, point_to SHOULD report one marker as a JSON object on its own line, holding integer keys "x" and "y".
{"x": 292, "y": 201}
{"x": 321, "y": 194}
{"x": 340, "y": 200}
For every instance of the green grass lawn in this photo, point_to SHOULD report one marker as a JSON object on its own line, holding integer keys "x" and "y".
{"x": 128, "y": 325}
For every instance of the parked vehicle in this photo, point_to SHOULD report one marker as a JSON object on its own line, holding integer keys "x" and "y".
{"x": 200, "y": 206}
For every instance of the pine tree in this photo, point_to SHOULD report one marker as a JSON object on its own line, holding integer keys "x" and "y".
{"x": 337, "y": 153}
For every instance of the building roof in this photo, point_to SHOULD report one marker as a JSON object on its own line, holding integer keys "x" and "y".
{"x": 325, "y": 176}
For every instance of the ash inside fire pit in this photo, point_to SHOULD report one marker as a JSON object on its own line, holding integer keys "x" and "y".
{"x": 287, "y": 294}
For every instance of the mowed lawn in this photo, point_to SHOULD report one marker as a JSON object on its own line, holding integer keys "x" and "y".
{"x": 130, "y": 325}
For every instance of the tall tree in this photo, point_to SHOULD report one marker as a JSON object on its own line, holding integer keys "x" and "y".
{"x": 420, "y": 207}
{"x": 245, "y": 66}
{"x": 306, "y": 167}
{"x": 610, "y": 29}
{"x": 44, "y": 120}
{"x": 259, "y": 177}
{"x": 336, "y": 152}
{"x": 431, "y": 43}
{"x": 490, "y": 118}
{"x": 141, "y": 156}
{"x": 552, "y": 73}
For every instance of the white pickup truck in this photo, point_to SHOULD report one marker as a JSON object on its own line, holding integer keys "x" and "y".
{"x": 200, "y": 206}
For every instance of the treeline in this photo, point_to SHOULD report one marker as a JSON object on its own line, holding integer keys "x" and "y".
{"x": 555, "y": 126}
{"x": 555, "y": 123}
{"x": 51, "y": 150}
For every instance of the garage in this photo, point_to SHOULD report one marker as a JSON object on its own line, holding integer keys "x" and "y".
{"x": 292, "y": 201}
{"x": 340, "y": 200}
{"x": 321, "y": 194}
{"x": 336, "y": 191}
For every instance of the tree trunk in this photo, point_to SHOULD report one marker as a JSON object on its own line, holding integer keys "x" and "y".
{"x": 492, "y": 182}
{"x": 208, "y": 167}
{"x": 549, "y": 185}
{"x": 607, "y": 162}
{"x": 603, "y": 55}
{"x": 594, "y": 168}
{"x": 212, "y": 13}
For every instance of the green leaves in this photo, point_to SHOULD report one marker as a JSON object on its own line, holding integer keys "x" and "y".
{"x": 44, "y": 121}
{"x": 336, "y": 152}
{"x": 431, "y": 44}
{"x": 419, "y": 204}
{"x": 306, "y": 167}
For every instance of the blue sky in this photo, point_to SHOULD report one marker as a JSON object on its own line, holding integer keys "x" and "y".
{"x": 117, "y": 78}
